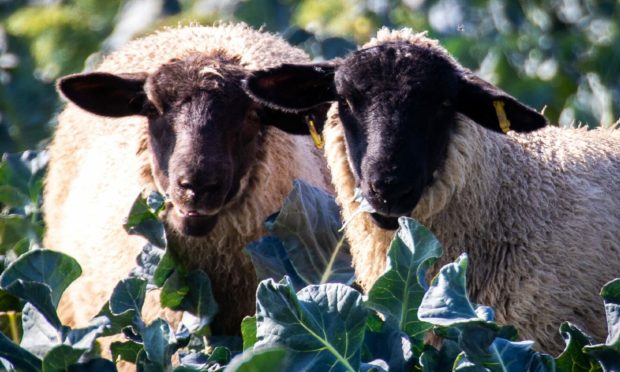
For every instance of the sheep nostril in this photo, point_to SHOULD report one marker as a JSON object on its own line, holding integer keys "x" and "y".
{"x": 185, "y": 184}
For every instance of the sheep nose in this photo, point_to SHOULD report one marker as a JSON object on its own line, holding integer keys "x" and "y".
{"x": 185, "y": 183}
{"x": 381, "y": 185}
{"x": 197, "y": 186}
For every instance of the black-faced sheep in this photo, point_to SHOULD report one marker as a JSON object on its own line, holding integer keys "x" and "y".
{"x": 171, "y": 116}
{"x": 538, "y": 213}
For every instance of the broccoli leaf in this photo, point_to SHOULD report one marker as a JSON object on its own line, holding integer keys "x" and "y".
{"x": 323, "y": 325}
{"x": 398, "y": 292}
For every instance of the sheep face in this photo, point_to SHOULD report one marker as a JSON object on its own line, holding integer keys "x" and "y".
{"x": 397, "y": 103}
{"x": 204, "y": 131}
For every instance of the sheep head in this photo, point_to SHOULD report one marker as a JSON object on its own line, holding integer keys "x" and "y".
{"x": 204, "y": 130}
{"x": 397, "y": 102}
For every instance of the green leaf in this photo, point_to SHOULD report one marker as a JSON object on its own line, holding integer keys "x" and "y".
{"x": 174, "y": 290}
{"x": 12, "y": 197}
{"x": 39, "y": 295}
{"x": 398, "y": 292}
{"x": 309, "y": 227}
{"x": 23, "y": 170}
{"x": 39, "y": 335}
{"x": 573, "y": 359}
{"x": 128, "y": 295}
{"x": 391, "y": 346}
{"x": 271, "y": 261}
{"x": 159, "y": 343}
{"x": 165, "y": 268}
{"x": 54, "y": 269}
{"x": 127, "y": 351}
{"x": 323, "y": 324}
{"x": 199, "y": 301}
{"x": 443, "y": 359}
{"x": 248, "y": 331}
{"x": 261, "y": 360}
{"x": 60, "y": 358}
{"x": 115, "y": 323}
{"x": 143, "y": 220}
{"x": 608, "y": 354}
{"x": 220, "y": 355}
{"x": 148, "y": 260}
{"x": 19, "y": 357}
{"x": 446, "y": 302}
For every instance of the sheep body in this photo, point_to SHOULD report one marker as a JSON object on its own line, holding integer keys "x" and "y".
{"x": 99, "y": 165}
{"x": 537, "y": 213}
{"x": 423, "y": 136}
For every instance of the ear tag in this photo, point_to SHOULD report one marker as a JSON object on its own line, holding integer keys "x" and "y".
{"x": 316, "y": 137}
{"x": 504, "y": 123}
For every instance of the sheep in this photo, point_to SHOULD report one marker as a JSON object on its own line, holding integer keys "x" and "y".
{"x": 424, "y": 137}
{"x": 167, "y": 113}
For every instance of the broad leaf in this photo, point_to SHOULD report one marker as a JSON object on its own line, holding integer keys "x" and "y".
{"x": 39, "y": 335}
{"x": 390, "y": 345}
{"x": 19, "y": 357}
{"x": 159, "y": 343}
{"x": 39, "y": 296}
{"x": 128, "y": 295}
{"x": 260, "y": 360}
{"x": 143, "y": 220}
{"x": 608, "y": 354}
{"x": 127, "y": 351}
{"x": 60, "y": 358}
{"x": 52, "y": 269}
{"x": 398, "y": 292}
{"x": 248, "y": 331}
{"x": 271, "y": 261}
{"x": 324, "y": 325}
{"x": 199, "y": 301}
{"x": 174, "y": 290}
{"x": 433, "y": 360}
{"x": 573, "y": 359}
{"x": 148, "y": 260}
{"x": 308, "y": 226}
{"x": 446, "y": 302}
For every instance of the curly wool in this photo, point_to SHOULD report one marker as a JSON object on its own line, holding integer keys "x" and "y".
{"x": 537, "y": 213}
{"x": 99, "y": 165}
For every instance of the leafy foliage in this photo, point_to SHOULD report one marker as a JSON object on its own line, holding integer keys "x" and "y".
{"x": 313, "y": 327}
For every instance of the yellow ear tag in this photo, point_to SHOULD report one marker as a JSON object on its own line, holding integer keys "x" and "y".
{"x": 504, "y": 123}
{"x": 316, "y": 137}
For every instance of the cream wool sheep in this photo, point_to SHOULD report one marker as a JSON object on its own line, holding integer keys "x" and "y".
{"x": 98, "y": 165}
{"x": 537, "y": 212}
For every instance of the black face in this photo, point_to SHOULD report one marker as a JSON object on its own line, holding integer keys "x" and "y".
{"x": 203, "y": 132}
{"x": 397, "y": 126}
{"x": 397, "y": 102}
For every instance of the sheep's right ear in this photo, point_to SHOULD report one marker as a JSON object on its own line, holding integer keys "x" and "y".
{"x": 293, "y": 88}
{"x": 106, "y": 94}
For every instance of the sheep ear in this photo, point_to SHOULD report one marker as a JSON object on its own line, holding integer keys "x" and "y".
{"x": 295, "y": 123}
{"x": 293, "y": 88}
{"x": 106, "y": 94}
{"x": 495, "y": 109}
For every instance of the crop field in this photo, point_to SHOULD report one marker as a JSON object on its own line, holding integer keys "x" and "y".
{"x": 562, "y": 57}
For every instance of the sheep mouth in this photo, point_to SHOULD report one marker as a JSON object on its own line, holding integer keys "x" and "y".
{"x": 193, "y": 222}
{"x": 384, "y": 222}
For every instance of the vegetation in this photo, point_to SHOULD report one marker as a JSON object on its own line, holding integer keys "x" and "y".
{"x": 562, "y": 55}
{"x": 298, "y": 325}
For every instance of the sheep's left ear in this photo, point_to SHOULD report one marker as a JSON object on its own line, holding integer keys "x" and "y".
{"x": 493, "y": 108}
{"x": 293, "y": 88}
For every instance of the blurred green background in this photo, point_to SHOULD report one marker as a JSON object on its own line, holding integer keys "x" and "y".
{"x": 562, "y": 54}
